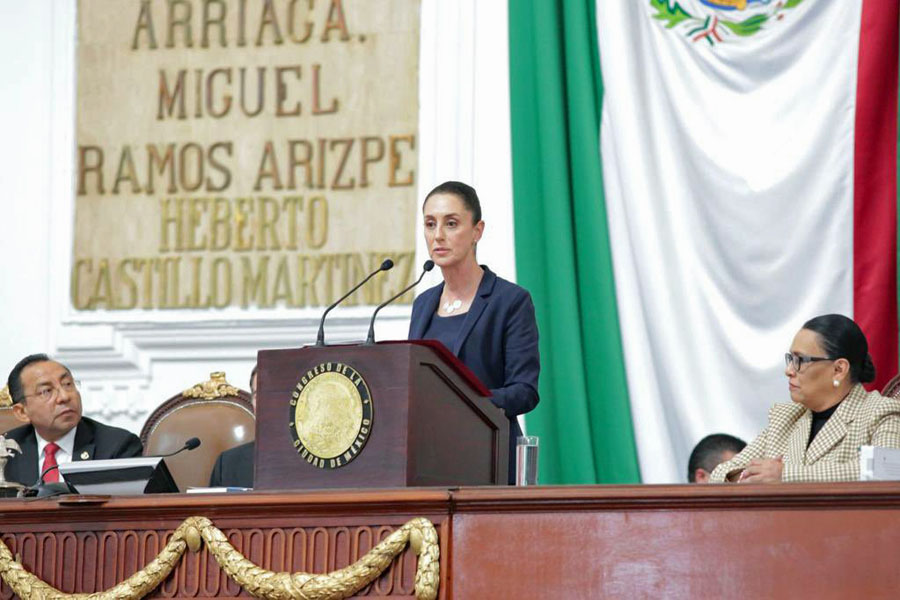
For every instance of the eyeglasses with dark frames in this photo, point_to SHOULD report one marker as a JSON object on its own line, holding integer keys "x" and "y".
{"x": 50, "y": 394}
{"x": 798, "y": 360}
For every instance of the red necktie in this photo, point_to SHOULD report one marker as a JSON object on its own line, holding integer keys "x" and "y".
{"x": 50, "y": 461}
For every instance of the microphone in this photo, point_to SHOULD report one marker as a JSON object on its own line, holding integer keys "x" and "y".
{"x": 385, "y": 266}
{"x": 191, "y": 444}
{"x": 43, "y": 489}
{"x": 370, "y": 339}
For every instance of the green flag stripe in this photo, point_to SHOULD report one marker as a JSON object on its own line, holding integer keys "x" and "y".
{"x": 562, "y": 243}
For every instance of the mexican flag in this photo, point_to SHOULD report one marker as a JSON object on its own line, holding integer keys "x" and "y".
{"x": 693, "y": 180}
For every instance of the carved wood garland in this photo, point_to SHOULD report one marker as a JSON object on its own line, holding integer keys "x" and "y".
{"x": 419, "y": 533}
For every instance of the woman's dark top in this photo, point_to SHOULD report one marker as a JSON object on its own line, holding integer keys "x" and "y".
{"x": 818, "y": 422}
{"x": 445, "y": 329}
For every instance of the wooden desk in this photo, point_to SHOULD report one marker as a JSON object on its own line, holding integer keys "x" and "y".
{"x": 807, "y": 540}
{"x": 87, "y": 548}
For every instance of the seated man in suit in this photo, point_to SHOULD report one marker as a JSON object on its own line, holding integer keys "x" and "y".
{"x": 709, "y": 453}
{"x": 234, "y": 467}
{"x": 46, "y": 398}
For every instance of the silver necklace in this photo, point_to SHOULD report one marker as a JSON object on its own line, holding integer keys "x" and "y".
{"x": 449, "y": 307}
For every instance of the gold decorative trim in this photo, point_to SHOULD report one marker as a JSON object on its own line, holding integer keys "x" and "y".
{"x": 216, "y": 387}
{"x": 419, "y": 533}
{"x": 28, "y": 587}
{"x": 5, "y": 398}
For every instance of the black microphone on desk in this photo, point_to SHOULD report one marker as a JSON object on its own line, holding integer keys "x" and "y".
{"x": 42, "y": 489}
{"x": 191, "y": 444}
{"x": 370, "y": 339}
{"x": 385, "y": 266}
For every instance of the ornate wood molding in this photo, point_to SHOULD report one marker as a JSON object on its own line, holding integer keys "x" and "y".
{"x": 843, "y": 495}
{"x": 214, "y": 387}
{"x": 418, "y": 533}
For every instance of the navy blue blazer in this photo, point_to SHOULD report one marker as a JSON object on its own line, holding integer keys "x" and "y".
{"x": 498, "y": 342}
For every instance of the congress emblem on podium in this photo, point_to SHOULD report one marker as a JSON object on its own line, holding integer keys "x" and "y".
{"x": 716, "y": 21}
{"x": 330, "y": 415}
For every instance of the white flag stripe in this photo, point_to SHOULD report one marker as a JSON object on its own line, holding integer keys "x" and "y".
{"x": 729, "y": 187}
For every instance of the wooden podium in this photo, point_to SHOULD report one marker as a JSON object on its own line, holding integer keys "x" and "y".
{"x": 432, "y": 421}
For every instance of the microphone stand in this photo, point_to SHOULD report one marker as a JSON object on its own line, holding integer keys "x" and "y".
{"x": 370, "y": 339}
{"x": 385, "y": 266}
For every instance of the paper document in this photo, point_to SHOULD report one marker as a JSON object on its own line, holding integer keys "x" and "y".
{"x": 879, "y": 464}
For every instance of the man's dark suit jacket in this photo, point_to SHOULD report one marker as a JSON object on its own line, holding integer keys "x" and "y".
{"x": 93, "y": 441}
{"x": 498, "y": 341}
{"x": 234, "y": 467}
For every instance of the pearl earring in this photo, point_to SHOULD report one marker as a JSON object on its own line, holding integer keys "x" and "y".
{"x": 836, "y": 383}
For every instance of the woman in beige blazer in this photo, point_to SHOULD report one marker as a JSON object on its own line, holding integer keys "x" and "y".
{"x": 817, "y": 436}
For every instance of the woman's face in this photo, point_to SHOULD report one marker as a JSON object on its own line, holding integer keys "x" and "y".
{"x": 813, "y": 383}
{"x": 450, "y": 233}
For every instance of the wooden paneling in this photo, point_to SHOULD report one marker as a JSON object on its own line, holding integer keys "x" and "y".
{"x": 785, "y": 541}
{"x": 90, "y": 547}
{"x": 766, "y": 541}
{"x": 87, "y": 561}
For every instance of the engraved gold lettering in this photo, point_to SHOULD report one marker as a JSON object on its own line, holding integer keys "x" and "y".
{"x": 396, "y": 160}
{"x": 75, "y": 290}
{"x": 198, "y": 206}
{"x": 126, "y": 163}
{"x": 159, "y": 166}
{"x": 292, "y": 7}
{"x": 209, "y": 21}
{"x": 144, "y": 23}
{"x": 268, "y": 168}
{"x": 336, "y": 21}
{"x": 316, "y": 93}
{"x": 269, "y": 20}
{"x": 281, "y": 92}
{"x": 221, "y": 282}
{"x": 243, "y": 211}
{"x": 184, "y": 22}
{"x": 347, "y": 144}
{"x": 169, "y": 97}
{"x": 367, "y": 158}
{"x": 90, "y": 160}
{"x": 124, "y": 277}
{"x": 255, "y": 286}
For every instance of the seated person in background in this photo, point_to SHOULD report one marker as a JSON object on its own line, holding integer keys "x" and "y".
{"x": 709, "y": 453}
{"x": 234, "y": 467}
{"x": 46, "y": 398}
{"x": 817, "y": 436}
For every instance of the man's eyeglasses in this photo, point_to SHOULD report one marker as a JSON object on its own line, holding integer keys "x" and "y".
{"x": 49, "y": 394}
{"x": 798, "y": 360}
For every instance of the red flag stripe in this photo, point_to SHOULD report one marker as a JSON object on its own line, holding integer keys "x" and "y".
{"x": 875, "y": 185}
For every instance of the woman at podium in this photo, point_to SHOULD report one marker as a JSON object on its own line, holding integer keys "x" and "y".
{"x": 817, "y": 436}
{"x": 486, "y": 321}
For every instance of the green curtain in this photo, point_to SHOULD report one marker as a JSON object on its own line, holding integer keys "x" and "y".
{"x": 562, "y": 244}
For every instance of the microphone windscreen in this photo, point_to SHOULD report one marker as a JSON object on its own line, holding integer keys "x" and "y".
{"x": 387, "y": 264}
{"x": 429, "y": 265}
{"x": 192, "y": 443}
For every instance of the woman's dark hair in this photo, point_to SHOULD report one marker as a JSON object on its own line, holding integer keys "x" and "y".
{"x": 841, "y": 337}
{"x": 464, "y": 192}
